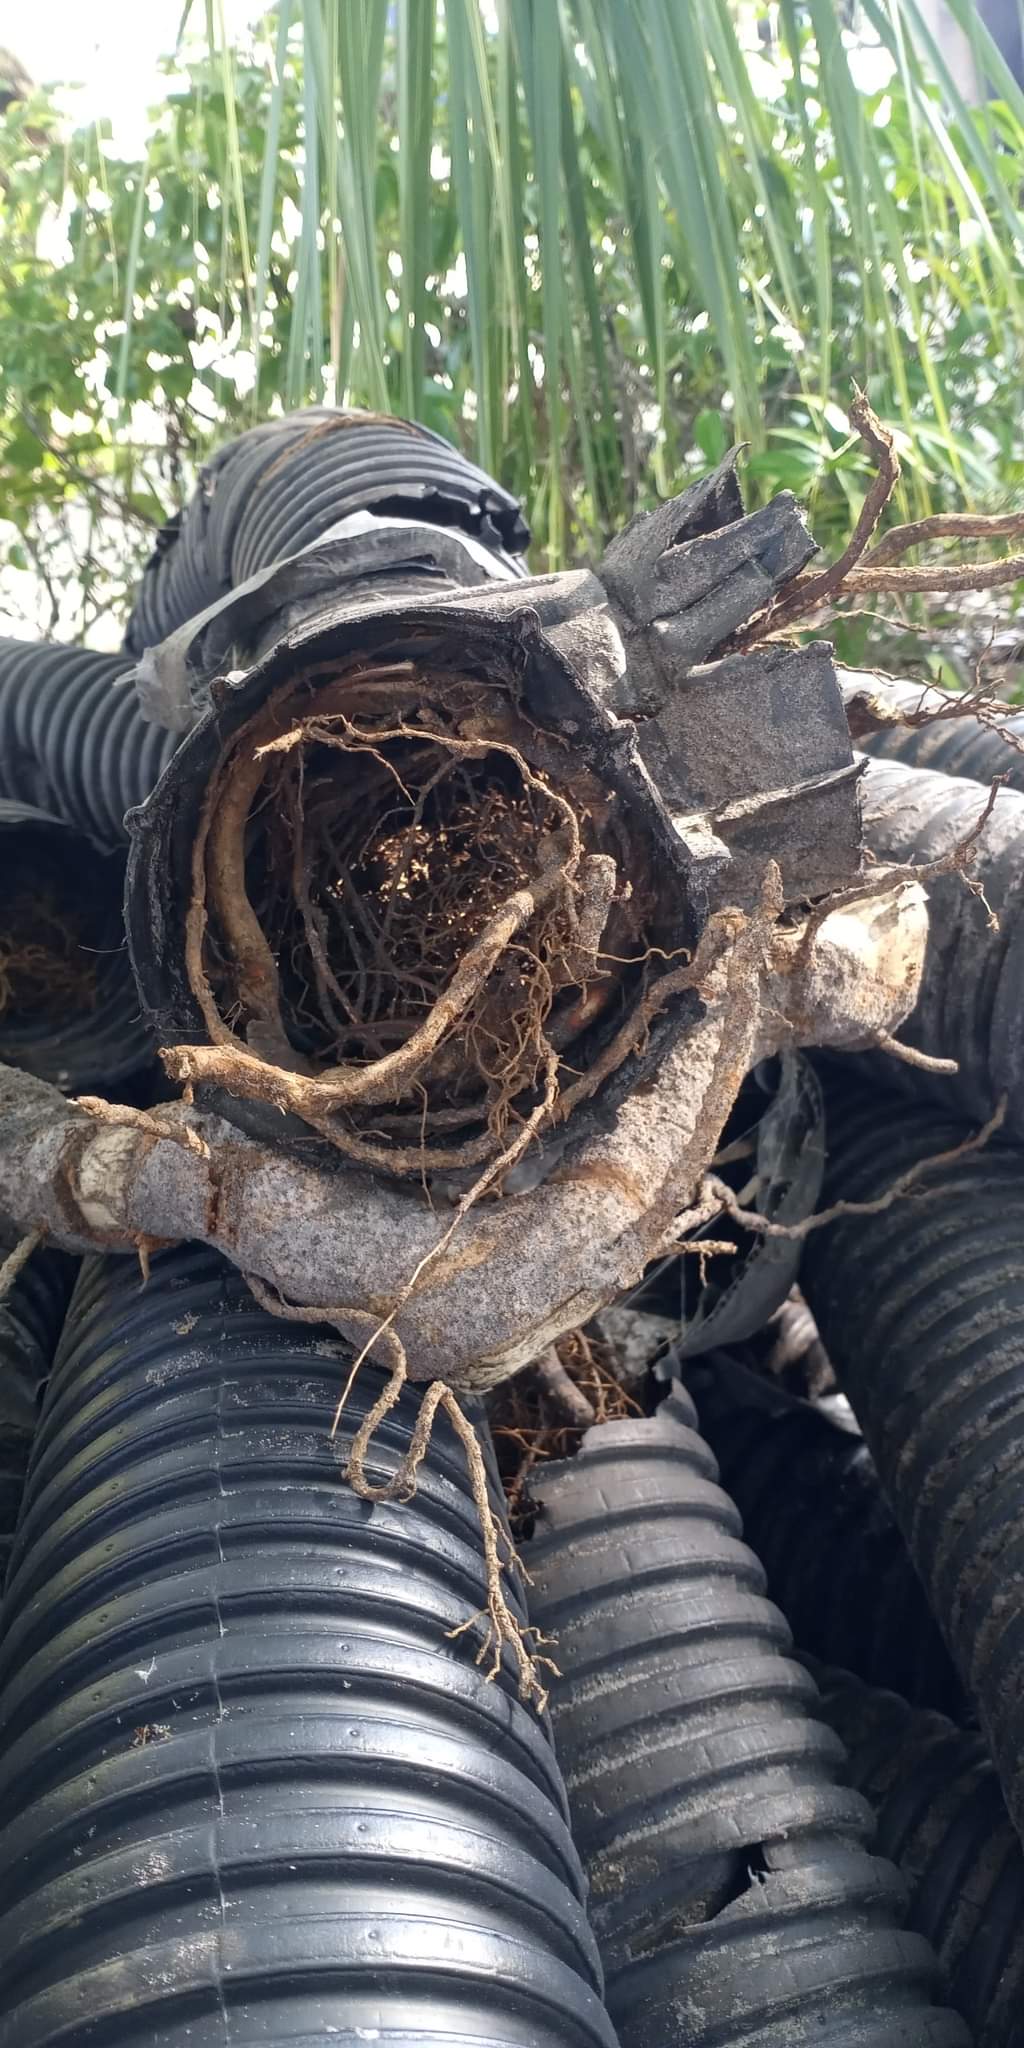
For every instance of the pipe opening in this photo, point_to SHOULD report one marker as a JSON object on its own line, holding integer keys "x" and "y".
{"x": 60, "y": 911}
{"x": 420, "y": 910}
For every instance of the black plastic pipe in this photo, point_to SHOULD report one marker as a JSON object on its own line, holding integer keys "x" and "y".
{"x": 942, "y": 1819}
{"x": 922, "y": 1310}
{"x": 952, "y": 746}
{"x": 731, "y": 1891}
{"x": 31, "y": 1315}
{"x": 254, "y": 1788}
{"x": 278, "y": 488}
{"x": 83, "y": 1030}
{"x": 72, "y": 737}
{"x": 971, "y": 1004}
{"x": 817, "y": 1518}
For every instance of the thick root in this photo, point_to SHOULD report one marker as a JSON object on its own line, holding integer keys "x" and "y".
{"x": 397, "y": 915}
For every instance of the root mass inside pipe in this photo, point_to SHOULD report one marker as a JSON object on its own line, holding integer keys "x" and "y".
{"x": 402, "y": 906}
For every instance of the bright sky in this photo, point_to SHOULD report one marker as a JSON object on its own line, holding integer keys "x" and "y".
{"x": 110, "y": 48}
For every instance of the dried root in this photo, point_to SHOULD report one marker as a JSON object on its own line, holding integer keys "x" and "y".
{"x": 906, "y": 1185}
{"x": 530, "y": 1422}
{"x": 17, "y": 1259}
{"x": 868, "y": 711}
{"x": 502, "y": 1625}
{"x": 404, "y": 921}
{"x": 861, "y": 569}
{"x": 819, "y": 587}
{"x": 503, "y": 1628}
{"x": 43, "y": 968}
{"x": 561, "y": 1391}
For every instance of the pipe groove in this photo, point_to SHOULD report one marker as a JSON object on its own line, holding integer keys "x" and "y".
{"x": 31, "y": 1314}
{"x": 731, "y": 1892}
{"x": 922, "y": 1310}
{"x": 971, "y": 1003}
{"x": 277, "y": 489}
{"x": 942, "y": 1819}
{"x": 814, "y": 1512}
{"x": 73, "y": 740}
{"x": 253, "y": 1788}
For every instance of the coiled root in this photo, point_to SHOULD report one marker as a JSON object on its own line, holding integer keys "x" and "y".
{"x": 406, "y": 913}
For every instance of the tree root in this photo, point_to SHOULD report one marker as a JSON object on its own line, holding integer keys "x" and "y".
{"x": 43, "y": 964}
{"x": 530, "y": 1419}
{"x": 435, "y": 910}
{"x": 565, "y": 1397}
{"x": 503, "y": 1629}
{"x": 929, "y": 1062}
{"x": 857, "y": 571}
{"x": 806, "y": 593}
{"x": 150, "y": 1121}
{"x": 867, "y": 713}
{"x": 17, "y": 1259}
{"x": 907, "y": 1184}
{"x": 944, "y": 526}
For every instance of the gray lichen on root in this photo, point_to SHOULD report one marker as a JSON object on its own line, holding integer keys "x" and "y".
{"x": 518, "y": 1272}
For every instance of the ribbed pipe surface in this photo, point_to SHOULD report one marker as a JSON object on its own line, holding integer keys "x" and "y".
{"x": 922, "y": 1310}
{"x": 942, "y": 1819}
{"x": 951, "y": 746}
{"x": 730, "y": 1889}
{"x": 815, "y": 1514}
{"x": 85, "y": 1034}
{"x": 72, "y": 738}
{"x": 31, "y": 1314}
{"x": 971, "y": 1004}
{"x": 254, "y": 1790}
{"x": 276, "y": 489}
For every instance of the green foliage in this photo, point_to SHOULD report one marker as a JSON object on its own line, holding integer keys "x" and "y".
{"x": 595, "y": 243}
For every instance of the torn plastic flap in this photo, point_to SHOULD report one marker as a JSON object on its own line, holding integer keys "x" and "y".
{"x": 790, "y": 1170}
{"x": 171, "y": 679}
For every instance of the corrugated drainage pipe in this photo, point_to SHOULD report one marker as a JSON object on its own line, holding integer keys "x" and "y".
{"x": 922, "y": 1310}
{"x": 31, "y": 1315}
{"x": 942, "y": 1819}
{"x": 815, "y": 1514}
{"x": 971, "y": 1004}
{"x": 73, "y": 739}
{"x": 254, "y": 1789}
{"x": 278, "y": 488}
{"x": 952, "y": 746}
{"x": 731, "y": 1891}
{"x": 69, "y": 1009}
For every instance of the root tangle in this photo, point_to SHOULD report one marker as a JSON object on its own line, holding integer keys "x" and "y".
{"x": 404, "y": 922}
